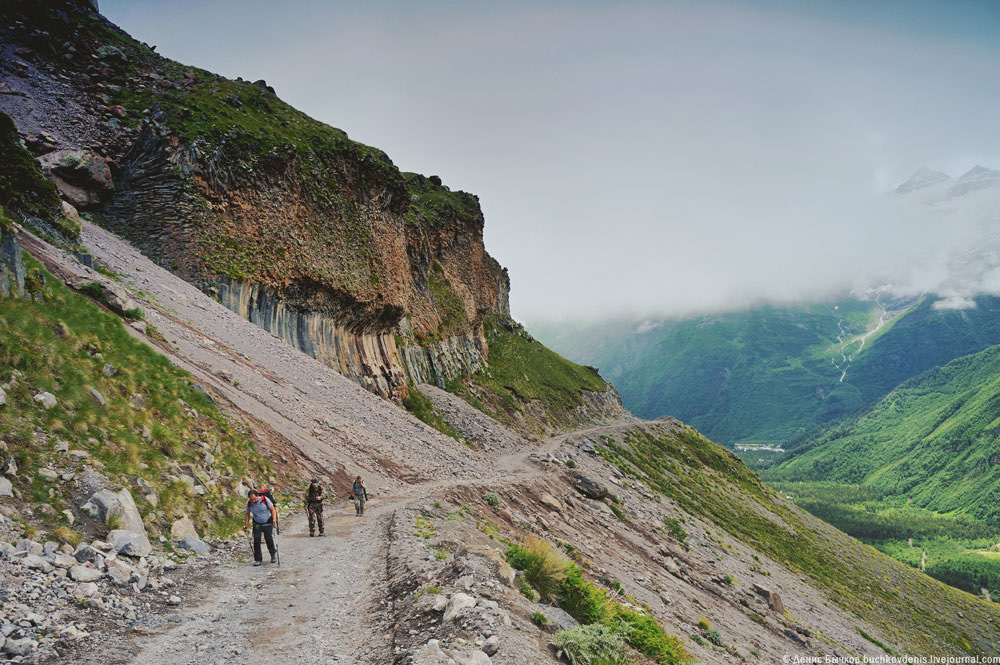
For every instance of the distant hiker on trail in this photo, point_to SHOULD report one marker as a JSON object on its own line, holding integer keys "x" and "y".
{"x": 360, "y": 496}
{"x": 314, "y": 506}
{"x": 264, "y": 517}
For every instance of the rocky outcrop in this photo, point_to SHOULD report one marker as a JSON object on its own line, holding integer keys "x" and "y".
{"x": 12, "y": 272}
{"x": 82, "y": 178}
{"x": 371, "y": 359}
{"x": 442, "y": 361}
{"x": 109, "y": 506}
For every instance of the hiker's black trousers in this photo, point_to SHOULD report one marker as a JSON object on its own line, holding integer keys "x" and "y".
{"x": 266, "y": 529}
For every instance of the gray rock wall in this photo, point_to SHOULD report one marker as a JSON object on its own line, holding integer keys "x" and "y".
{"x": 12, "y": 271}
{"x": 445, "y": 360}
{"x": 371, "y": 359}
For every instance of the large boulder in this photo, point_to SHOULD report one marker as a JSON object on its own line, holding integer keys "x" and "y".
{"x": 83, "y": 573}
{"x": 456, "y": 604}
{"x": 590, "y": 488}
{"x": 131, "y": 543}
{"x": 120, "y": 505}
{"x": 194, "y": 544}
{"x": 83, "y": 178}
{"x": 431, "y": 654}
{"x": 182, "y": 528}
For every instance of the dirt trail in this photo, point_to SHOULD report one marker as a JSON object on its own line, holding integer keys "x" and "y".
{"x": 315, "y": 608}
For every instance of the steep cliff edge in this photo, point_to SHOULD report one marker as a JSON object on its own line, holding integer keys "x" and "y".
{"x": 320, "y": 239}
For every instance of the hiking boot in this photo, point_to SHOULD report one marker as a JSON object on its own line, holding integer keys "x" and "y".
{"x": 256, "y": 563}
{"x": 274, "y": 558}
{"x": 311, "y": 534}
{"x": 321, "y": 534}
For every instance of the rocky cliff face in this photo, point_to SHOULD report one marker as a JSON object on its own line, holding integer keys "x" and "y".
{"x": 318, "y": 238}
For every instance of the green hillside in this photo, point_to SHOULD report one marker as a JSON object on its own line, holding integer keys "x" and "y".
{"x": 707, "y": 481}
{"x": 773, "y": 374}
{"x": 119, "y": 407}
{"x": 932, "y": 440}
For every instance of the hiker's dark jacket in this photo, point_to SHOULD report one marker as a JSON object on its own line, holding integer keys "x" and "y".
{"x": 314, "y": 493}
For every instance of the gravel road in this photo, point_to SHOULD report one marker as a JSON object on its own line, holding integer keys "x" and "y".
{"x": 312, "y": 609}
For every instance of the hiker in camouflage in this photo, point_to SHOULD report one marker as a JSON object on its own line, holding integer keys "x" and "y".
{"x": 314, "y": 506}
{"x": 360, "y": 491}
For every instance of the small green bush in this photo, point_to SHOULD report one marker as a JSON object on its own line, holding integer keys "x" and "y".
{"x": 582, "y": 600}
{"x": 539, "y": 619}
{"x": 594, "y": 644}
{"x": 526, "y": 590}
{"x": 713, "y": 636}
{"x": 571, "y": 463}
{"x": 95, "y": 291}
{"x": 491, "y": 499}
{"x": 135, "y": 314}
{"x": 543, "y": 566}
{"x": 674, "y": 529}
{"x": 649, "y": 638}
{"x": 704, "y": 624}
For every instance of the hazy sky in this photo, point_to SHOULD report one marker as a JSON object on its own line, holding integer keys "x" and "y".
{"x": 639, "y": 156}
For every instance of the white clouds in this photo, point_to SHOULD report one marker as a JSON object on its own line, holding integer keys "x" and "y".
{"x": 643, "y": 157}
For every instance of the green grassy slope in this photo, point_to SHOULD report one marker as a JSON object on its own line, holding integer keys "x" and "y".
{"x": 62, "y": 346}
{"x": 709, "y": 482}
{"x": 526, "y": 385}
{"x": 932, "y": 440}
{"x": 954, "y": 549}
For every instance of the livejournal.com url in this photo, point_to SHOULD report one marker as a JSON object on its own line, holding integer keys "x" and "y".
{"x": 890, "y": 660}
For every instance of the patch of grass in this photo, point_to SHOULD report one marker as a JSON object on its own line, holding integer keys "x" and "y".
{"x": 522, "y": 370}
{"x": 424, "y": 528}
{"x": 675, "y": 530}
{"x": 491, "y": 499}
{"x": 421, "y": 406}
{"x": 543, "y": 566}
{"x": 54, "y": 347}
{"x": 584, "y": 601}
{"x": 875, "y": 641}
{"x": 593, "y": 644}
{"x": 539, "y": 619}
{"x": 525, "y": 589}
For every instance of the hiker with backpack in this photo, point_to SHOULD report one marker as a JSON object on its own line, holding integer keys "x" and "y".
{"x": 314, "y": 506}
{"x": 360, "y": 496}
{"x": 261, "y": 509}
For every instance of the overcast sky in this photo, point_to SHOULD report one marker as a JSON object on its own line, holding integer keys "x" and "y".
{"x": 637, "y": 156}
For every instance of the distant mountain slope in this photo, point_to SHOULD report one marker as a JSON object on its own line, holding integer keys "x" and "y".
{"x": 771, "y": 374}
{"x": 933, "y": 440}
